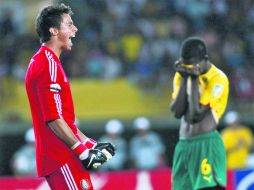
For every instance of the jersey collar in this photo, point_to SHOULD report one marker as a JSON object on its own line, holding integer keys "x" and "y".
{"x": 43, "y": 48}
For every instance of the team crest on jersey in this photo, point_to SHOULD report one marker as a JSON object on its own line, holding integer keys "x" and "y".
{"x": 55, "y": 87}
{"x": 85, "y": 184}
{"x": 217, "y": 90}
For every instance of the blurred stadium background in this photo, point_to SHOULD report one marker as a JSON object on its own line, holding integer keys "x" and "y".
{"x": 121, "y": 65}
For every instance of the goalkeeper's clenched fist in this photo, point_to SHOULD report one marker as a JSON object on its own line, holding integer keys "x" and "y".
{"x": 106, "y": 147}
{"x": 93, "y": 154}
{"x": 95, "y": 158}
{"x": 90, "y": 158}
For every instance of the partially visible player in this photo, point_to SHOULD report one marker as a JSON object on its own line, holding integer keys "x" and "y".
{"x": 200, "y": 97}
{"x": 63, "y": 152}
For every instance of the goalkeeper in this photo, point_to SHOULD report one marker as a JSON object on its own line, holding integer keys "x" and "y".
{"x": 63, "y": 153}
{"x": 200, "y": 93}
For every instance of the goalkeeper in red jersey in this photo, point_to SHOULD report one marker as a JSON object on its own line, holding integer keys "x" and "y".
{"x": 63, "y": 152}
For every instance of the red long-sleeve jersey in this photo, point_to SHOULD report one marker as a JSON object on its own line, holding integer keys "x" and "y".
{"x": 50, "y": 98}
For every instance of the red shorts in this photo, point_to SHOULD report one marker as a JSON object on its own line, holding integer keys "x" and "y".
{"x": 71, "y": 176}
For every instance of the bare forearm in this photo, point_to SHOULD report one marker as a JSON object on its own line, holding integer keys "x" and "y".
{"x": 193, "y": 97}
{"x": 197, "y": 111}
{"x": 63, "y": 131}
{"x": 81, "y": 135}
{"x": 179, "y": 105}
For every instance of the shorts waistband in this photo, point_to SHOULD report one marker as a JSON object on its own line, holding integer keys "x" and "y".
{"x": 209, "y": 134}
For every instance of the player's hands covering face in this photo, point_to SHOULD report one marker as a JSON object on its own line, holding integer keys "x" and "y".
{"x": 185, "y": 70}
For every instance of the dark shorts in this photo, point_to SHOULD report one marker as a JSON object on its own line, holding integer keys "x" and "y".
{"x": 199, "y": 162}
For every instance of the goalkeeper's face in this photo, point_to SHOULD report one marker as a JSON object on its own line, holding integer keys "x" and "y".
{"x": 66, "y": 32}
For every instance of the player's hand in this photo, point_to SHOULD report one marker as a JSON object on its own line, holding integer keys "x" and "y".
{"x": 187, "y": 70}
{"x": 90, "y": 158}
{"x": 181, "y": 70}
{"x": 107, "y": 148}
{"x": 194, "y": 71}
{"x": 95, "y": 159}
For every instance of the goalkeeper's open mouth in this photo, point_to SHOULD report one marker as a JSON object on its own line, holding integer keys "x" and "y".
{"x": 71, "y": 37}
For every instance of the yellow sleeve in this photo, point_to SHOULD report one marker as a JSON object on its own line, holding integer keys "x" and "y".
{"x": 215, "y": 95}
{"x": 176, "y": 85}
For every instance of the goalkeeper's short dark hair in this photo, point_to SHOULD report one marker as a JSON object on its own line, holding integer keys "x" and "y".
{"x": 50, "y": 16}
{"x": 193, "y": 48}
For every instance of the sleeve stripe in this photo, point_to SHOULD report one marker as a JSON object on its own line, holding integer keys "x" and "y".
{"x": 48, "y": 57}
{"x": 52, "y": 70}
{"x": 52, "y": 66}
{"x": 58, "y": 104}
{"x": 55, "y": 66}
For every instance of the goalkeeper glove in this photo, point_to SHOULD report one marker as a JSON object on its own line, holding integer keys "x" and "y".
{"x": 95, "y": 158}
{"x": 90, "y": 158}
{"x": 89, "y": 143}
{"x": 107, "y": 148}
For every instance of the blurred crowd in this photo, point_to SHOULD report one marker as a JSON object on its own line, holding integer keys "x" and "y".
{"x": 145, "y": 149}
{"x": 139, "y": 39}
